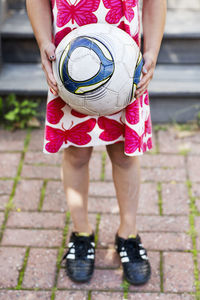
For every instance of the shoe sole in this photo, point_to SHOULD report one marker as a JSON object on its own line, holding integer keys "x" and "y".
{"x": 137, "y": 283}
{"x": 76, "y": 280}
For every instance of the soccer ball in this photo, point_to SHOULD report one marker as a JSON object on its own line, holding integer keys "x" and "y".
{"x": 97, "y": 69}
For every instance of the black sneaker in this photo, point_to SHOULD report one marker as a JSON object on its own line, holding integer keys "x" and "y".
{"x": 135, "y": 263}
{"x": 80, "y": 257}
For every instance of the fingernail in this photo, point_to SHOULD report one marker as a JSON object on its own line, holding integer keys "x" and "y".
{"x": 145, "y": 70}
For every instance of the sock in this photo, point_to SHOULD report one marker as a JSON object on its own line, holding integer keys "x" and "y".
{"x": 83, "y": 234}
{"x": 131, "y": 236}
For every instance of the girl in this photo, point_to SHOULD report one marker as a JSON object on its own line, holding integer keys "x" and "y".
{"x": 127, "y": 134}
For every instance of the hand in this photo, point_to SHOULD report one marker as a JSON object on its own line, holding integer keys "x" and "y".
{"x": 47, "y": 52}
{"x": 147, "y": 71}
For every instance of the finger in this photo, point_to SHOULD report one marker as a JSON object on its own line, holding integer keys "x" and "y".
{"x": 52, "y": 88}
{"x": 145, "y": 78}
{"x": 50, "y": 52}
{"x": 48, "y": 70}
{"x": 144, "y": 70}
{"x": 140, "y": 91}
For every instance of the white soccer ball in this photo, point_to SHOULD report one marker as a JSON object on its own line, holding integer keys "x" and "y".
{"x": 97, "y": 69}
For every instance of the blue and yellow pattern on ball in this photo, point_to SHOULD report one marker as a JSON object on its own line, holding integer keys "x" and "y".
{"x": 104, "y": 73}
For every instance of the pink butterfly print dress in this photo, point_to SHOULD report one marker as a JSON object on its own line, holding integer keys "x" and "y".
{"x": 65, "y": 126}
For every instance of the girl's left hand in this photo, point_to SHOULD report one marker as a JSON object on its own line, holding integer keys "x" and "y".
{"x": 147, "y": 70}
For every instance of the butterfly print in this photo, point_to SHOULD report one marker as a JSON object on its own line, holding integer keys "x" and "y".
{"x": 149, "y": 143}
{"x": 146, "y": 99}
{"x": 77, "y": 134}
{"x": 147, "y": 126}
{"x": 133, "y": 113}
{"x": 136, "y": 38}
{"x": 81, "y": 13}
{"x": 112, "y": 129}
{"x": 118, "y": 9}
{"x": 68, "y": 15}
{"x": 77, "y": 114}
{"x": 133, "y": 141}
{"x": 61, "y": 34}
{"x": 54, "y": 110}
{"x": 124, "y": 27}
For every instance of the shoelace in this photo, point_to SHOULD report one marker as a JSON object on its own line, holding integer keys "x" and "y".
{"x": 81, "y": 247}
{"x": 133, "y": 249}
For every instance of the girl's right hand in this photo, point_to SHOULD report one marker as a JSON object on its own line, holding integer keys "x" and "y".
{"x": 47, "y": 52}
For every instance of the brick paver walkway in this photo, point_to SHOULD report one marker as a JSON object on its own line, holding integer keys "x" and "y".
{"x": 36, "y": 222}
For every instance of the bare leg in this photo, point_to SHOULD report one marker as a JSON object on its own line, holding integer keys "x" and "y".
{"x": 126, "y": 177}
{"x": 75, "y": 176}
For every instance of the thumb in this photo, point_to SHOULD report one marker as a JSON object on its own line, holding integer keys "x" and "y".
{"x": 50, "y": 51}
{"x": 146, "y": 67}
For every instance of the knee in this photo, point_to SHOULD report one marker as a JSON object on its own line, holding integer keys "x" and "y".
{"x": 118, "y": 158}
{"x": 77, "y": 157}
{"x": 123, "y": 161}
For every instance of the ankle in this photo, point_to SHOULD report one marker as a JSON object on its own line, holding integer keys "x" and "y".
{"x": 126, "y": 232}
{"x": 86, "y": 229}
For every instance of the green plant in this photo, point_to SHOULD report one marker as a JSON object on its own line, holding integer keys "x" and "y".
{"x": 17, "y": 114}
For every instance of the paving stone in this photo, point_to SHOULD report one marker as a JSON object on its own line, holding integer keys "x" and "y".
{"x": 1, "y": 217}
{"x": 178, "y": 5}
{"x": 178, "y": 272}
{"x": 6, "y": 187}
{"x": 101, "y": 280}
{"x": 99, "y": 148}
{"x": 36, "y": 220}
{"x": 71, "y": 295}
{"x": 107, "y": 230}
{"x": 107, "y": 258}
{"x": 42, "y": 158}
{"x": 49, "y": 172}
{"x": 162, "y": 160}
{"x": 106, "y": 296}
{"x": 27, "y": 195}
{"x": 95, "y": 166}
{"x": 9, "y": 163}
{"x": 28, "y": 237}
{"x": 11, "y": 261}
{"x": 166, "y": 241}
{"x": 196, "y": 190}
{"x": 110, "y": 223}
{"x": 24, "y": 295}
{"x": 161, "y": 174}
{"x": 193, "y": 168}
{"x": 196, "y": 194}
{"x": 175, "y": 198}
{"x": 3, "y": 201}
{"x": 153, "y": 284}
{"x": 55, "y": 199}
{"x": 37, "y": 138}
{"x": 12, "y": 141}
{"x": 102, "y": 189}
{"x": 103, "y": 205}
{"x": 148, "y": 201}
{"x": 170, "y": 141}
{"x": 159, "y": 296}
{"x": 163, "y": 223}
{"x": 41, "y": 269}
{"x": 197, "y": 227}
{"x": 198, "y": 204}
{"x": 108, "y": 168}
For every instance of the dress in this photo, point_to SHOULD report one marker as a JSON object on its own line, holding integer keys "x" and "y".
{"x": 64, "y": 126}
